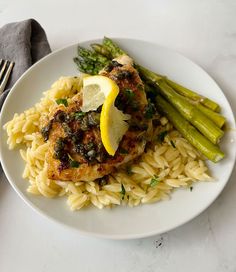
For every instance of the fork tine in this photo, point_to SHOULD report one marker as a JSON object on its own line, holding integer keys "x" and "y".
{"x": 3, "y": 68}
{"x": 6, "y": 76}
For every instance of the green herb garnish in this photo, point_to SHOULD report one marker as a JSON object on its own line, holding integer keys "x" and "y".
{"x": 162, "y": 135}
{"x": 173, "y": 144}
{"x": 59, "y": 149}
{"x": 45, "y": 131}
{"x": 129, "y": 94}
{"x": 122, "y": 191}
{"x": 150, "y": 110}
{"x": 191, "y": 188}
{"x": 74, "y": 164}
{"x": 123, "y": 151}
{"x": 79, "y": 115}
{"x": 62, "y": 101}
{"x": 154, "y": 181}
{"x": 129, "y": 170}
{"x": 90, "y": 145}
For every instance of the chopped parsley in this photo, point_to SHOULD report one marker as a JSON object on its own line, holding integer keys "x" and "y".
{"x": 62, "y": 101}
{"x": 45, "y": 131}
{"x": 74, "y": 164}
{"x": 161, "y": 136}
{"x": 154, "y": 181}
{"x": 129, "y": 94}
{"x": 123, "y": 151}
{"x": 173, "y": 144}
{"x": 122, "y": 191}
{"x": 79, "y": 115}
{"x": 90, "y": 145}
{"x": 59, "y": 152}
{"x": 191, "y": 188}
{"x": 149, "y": 110}
{"x": 129, "y": 170}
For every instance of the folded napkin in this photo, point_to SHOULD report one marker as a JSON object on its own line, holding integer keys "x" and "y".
{"x": 24, "y": 43}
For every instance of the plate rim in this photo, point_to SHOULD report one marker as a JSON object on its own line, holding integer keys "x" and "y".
{"x": 92, "y": 233}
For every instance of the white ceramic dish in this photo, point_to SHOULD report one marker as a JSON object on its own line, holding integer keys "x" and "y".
{"x": 120, "y": 222}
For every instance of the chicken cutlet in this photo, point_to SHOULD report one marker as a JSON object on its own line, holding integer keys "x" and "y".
{"x": 76, "y": 152}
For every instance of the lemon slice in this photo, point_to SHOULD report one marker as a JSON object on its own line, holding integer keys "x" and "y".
{"x": 95, "y": 90}
{"x": 112, "y": 124}
{"x": 101, "y": 90}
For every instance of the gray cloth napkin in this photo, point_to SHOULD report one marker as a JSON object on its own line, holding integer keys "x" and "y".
{"x": 24, "y": 43}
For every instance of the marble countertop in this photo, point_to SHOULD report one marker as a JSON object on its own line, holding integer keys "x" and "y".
{"x": 204, "y": 31}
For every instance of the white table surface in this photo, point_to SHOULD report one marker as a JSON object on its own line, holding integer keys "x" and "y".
{"x": 204, "y": 31}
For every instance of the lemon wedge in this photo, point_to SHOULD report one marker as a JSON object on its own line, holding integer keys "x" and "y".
{"x": 100, "y": 90}
{"x": 95, "y": 90}
{"x": 112, "y": 124}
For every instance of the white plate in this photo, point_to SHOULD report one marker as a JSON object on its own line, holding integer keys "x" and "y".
{"x": 120, "y": 222}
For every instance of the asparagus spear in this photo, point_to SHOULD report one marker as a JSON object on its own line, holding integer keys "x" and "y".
{"x": 101, "y": 50}
{"x": 217, "y": 118}
{"x": 90, "y": 62}
{"x": 211, "y": 151}
{"x": 114, "y": 49}
{"x": 187, "y": 110}
{"x": 93, "y": 56}
{"x": 194, "y": 96}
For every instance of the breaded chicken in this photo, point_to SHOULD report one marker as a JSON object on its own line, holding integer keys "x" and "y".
{"x": 76, "y": 152}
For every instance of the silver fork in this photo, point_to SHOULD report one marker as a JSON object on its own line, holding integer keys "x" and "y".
{"x": 6, "y": 67}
